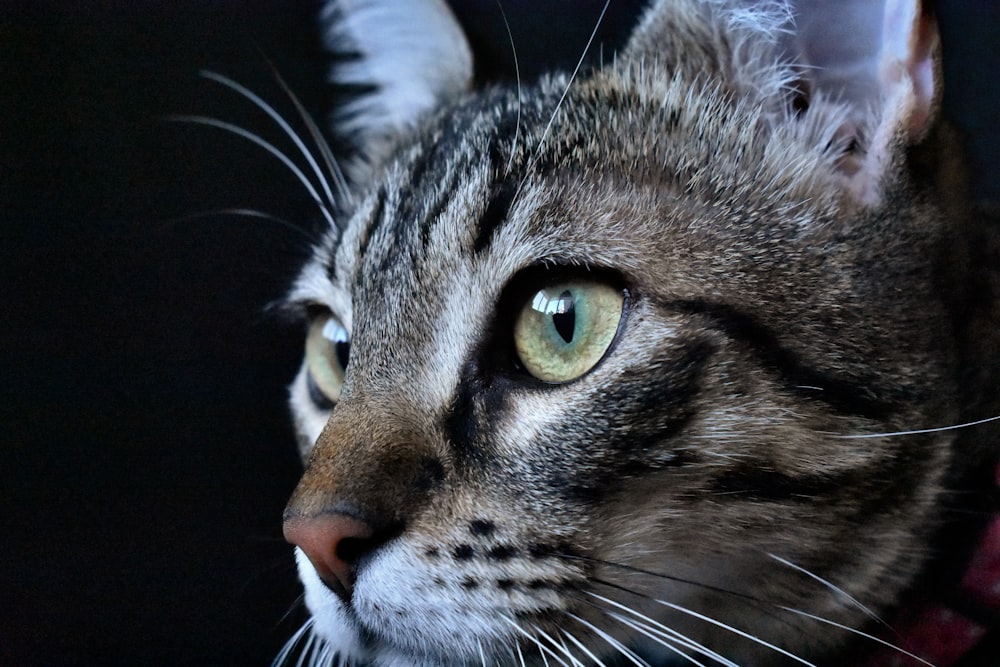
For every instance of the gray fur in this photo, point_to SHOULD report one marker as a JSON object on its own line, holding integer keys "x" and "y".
{"x": 774, "y": 306}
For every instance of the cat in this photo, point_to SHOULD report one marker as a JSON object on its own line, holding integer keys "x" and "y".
{"x": 636, "y": 365}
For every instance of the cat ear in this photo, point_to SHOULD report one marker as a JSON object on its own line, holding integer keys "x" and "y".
{"x": 403, "y": 58}
{"x": 864, "y": 72}
{"x": 881, "y": 61}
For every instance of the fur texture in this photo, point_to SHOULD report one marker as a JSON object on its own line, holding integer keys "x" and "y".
{"x": 716, "y": 485}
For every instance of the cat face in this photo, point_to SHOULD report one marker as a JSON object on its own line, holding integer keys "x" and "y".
{"x": 591, "y": 366}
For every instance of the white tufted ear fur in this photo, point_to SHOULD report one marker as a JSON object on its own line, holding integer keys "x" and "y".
{"x": 412, "y": 54}
{"x": 863, "y": 71}
{"x": 881, "y": 60}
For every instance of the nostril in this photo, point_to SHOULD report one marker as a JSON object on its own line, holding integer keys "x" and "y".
{"x": 333, "y": 543}
{"x": 351, "y": 549}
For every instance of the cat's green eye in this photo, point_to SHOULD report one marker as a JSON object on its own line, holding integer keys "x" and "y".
{"x": 327, "y": 349}
{"x": 566, "y": 328}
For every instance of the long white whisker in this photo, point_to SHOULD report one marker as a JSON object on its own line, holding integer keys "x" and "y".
{"x": 318, "y": 139}
{"x": 482, "y": 656}
{"x": 534, "y": 640}
{"x": 736, "y": 631}
{"x": 559, "y": 646}
{"x": 270, "y": 148}
{"x": 307, "y": 650}
{"x": 520, "y": 656}
{"x": 857, "y": 632}
{"x": 614, "y": 643}
{"x": 325, "y": 656}
{"x": 660, "y": 575}
{"x": 290, "y": 645}
{"x": 298, "y": 601}
{"x": 568, "y": 635}
{"x": 572, "y": 78}
{"x": 282, "y": 123}
{"x": 893, "y": 434}
{"x": 837, "y": 590}
{"x": 555, "y": 112}
{"x": 246, "y": 213}
{"x": 668, "y": 632}
{"x": 517, "y": 76}
{"x": 545, "y": 658}
{"x": 658, "y": 637}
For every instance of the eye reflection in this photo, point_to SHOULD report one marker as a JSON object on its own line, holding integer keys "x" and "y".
{"x": 564, "y": 330}
{"x": 328, "y": 350}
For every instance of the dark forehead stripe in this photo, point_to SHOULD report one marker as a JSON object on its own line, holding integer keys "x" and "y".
{"x": 843, "y": 396}
{"x": 539, "y": 140}
{"x": 494, "y": 131}
{"x": 373, "y": 223}
{"x": 437, "y": 171}
{"x": 495, "y": 215}
{"x": 507, "y": 163}
{"x": 427, "y": 193}
{"x": 432, "y": 211}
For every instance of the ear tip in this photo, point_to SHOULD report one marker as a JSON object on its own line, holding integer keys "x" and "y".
{"x": 924, "y": 68}
{"x": 407, "y": 57}
{"x": 911, "y": 57}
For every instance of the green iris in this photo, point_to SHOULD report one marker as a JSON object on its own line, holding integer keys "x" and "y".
{"x": 565, "y": 329}
{"x": 327, "y": 350}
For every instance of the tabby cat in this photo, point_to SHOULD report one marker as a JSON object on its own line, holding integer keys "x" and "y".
{"x": 636, "y": 365}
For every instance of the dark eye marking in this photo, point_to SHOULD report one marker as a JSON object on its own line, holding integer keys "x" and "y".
{"x": 844, "y": 396}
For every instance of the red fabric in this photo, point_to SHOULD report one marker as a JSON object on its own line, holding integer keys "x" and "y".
{"x": 981, "y": 582}
{"x": 939, "y": 635}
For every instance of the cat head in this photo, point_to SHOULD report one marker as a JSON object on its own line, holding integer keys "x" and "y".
{"x": 610, "y": 353}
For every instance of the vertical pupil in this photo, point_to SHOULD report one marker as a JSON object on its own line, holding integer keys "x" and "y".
{"x": 564, "y": 319}
{"x": 343, "y": 350}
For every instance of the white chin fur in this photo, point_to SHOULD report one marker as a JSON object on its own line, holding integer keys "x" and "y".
{"x": 330, "y": 620}
{"x": 418, "y": 626}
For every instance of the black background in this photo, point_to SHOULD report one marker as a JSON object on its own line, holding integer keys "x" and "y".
{"x": 145, "y": 449}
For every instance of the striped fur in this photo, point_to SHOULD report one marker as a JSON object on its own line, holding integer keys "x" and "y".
{"x": 705, "y": 490}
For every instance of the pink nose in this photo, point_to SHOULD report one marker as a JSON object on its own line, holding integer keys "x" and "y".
{"x": 333, "y": 543}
